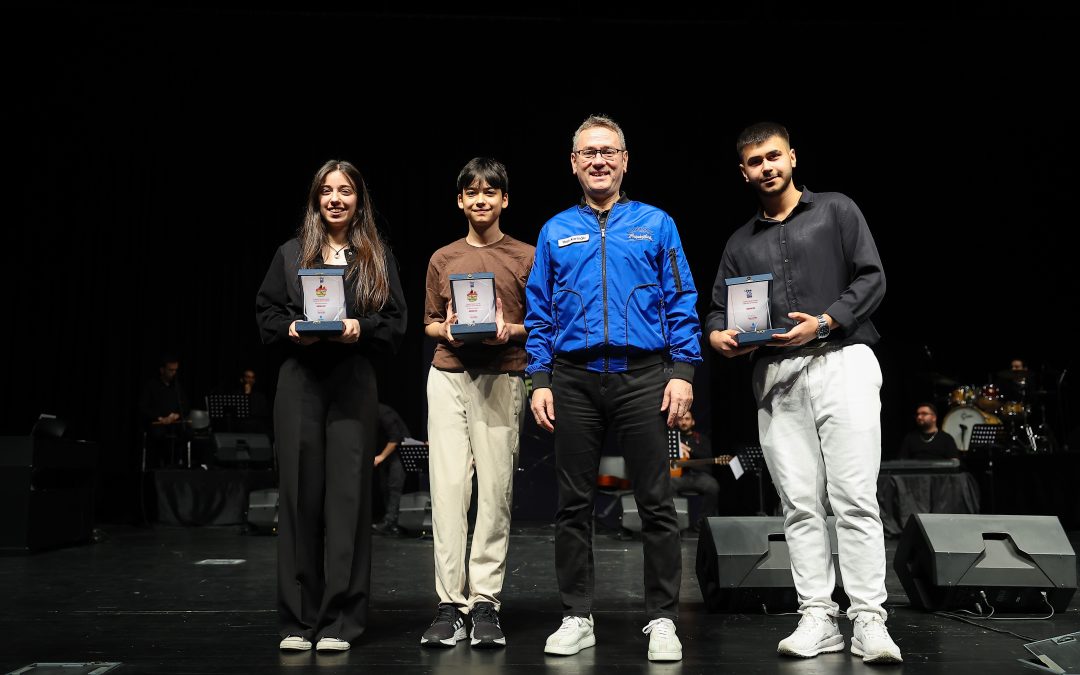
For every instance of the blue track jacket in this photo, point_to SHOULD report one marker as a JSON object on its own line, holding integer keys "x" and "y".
{"x": 606, "y": 297}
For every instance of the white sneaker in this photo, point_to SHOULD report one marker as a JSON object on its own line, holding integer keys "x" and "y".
{"x": 664, "y": 645}
{"x": 872, "y": 641}
{"x": 817, "y": 634}
{"x": 295, "y": 643}
{"x": 575, "y": 634}
{"x": 329, "y": 644}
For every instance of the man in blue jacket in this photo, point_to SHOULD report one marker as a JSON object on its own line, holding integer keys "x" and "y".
{"x": 613, "y": 343}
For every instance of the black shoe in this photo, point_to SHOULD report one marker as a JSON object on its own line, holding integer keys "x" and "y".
{"x": 388, "y": 529}
{"x": 447, "y": 628}
{"x": 486, "y": 631}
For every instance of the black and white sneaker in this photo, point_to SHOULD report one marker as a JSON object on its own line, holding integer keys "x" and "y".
{"x": 447, "y": 628}
{"x": 486, "y": 631}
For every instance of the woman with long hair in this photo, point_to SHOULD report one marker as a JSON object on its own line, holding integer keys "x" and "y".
{"x": 326, "y": 411}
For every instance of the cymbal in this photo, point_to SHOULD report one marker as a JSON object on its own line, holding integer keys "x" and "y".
{"x": 1015, "y": 375}
{"x": 938, "y": 379}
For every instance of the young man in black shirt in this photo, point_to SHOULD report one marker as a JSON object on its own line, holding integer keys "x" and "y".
{"x": 817, "y": 387}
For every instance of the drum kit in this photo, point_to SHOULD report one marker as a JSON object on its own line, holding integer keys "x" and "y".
{"x": 1012, "y": 402}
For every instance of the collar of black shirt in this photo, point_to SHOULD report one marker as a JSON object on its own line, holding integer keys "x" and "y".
{"x": 805, "y": 201}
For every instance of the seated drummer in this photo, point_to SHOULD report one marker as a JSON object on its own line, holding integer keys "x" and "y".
{"x": 1016, "y": 381}
{"x": 928, "y": 441}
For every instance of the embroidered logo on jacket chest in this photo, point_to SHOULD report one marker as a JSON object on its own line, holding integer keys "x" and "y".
{"x": 639, "y": 233}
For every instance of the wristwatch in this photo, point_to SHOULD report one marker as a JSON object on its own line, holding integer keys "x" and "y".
{"x": 822, "y": 327}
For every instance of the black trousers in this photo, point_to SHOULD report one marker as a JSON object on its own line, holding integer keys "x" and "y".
{"x": 392, "y": 483}
{"x": 703, "y": 483}
{"x": 587, "y": 404}
{"x": 325, "y": 422}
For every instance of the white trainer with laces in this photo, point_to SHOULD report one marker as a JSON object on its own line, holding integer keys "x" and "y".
{"x": 817, "y": 634}
{"x": 664, "y": 645}
{"x": 295, "y": 643}
{"x": 331, "y": 644}
{"x": 575, "y": 634}
{"x": 872, "y": 640}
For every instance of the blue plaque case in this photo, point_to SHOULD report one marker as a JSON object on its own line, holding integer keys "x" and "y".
{"x": 320, "y": 329}
{"x": 472, "y": 332}
{"x": 755, "y": 337}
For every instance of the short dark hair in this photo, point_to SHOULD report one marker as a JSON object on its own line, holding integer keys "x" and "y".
{"x": 167, "y": 358}
{"x": 927, "y": 404}
{"x": 759, "y": 133}
{"x": 485, "y": 170}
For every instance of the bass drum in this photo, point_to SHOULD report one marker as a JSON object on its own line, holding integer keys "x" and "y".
{"x": 959, "y": 422}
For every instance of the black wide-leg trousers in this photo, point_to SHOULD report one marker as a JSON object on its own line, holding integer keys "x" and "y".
{"x": 325, "y": 421}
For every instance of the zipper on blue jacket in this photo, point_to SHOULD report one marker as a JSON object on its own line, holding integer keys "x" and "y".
{"x": 601, "y": 218}
{"x": 675, "y": 269}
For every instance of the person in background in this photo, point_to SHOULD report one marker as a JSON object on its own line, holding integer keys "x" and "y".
{"x": 927, "y": 441}
{"x": 391, "y": 472}
{"x": 163, "y": 408}
{"x": 694, "y": 445}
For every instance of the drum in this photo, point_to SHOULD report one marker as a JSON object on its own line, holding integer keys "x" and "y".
{"x": 1011, "y": 409}
{"x": 963, "y": 395}
{"x": 959, "y": 421}
{"x": 989, "y": 398}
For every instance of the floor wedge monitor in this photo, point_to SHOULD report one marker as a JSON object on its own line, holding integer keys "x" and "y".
{"x": 743, "y": 565}
{"x": 986, "y": 562}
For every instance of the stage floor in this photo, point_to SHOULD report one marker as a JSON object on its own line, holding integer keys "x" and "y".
{"x": 140, "y": 597}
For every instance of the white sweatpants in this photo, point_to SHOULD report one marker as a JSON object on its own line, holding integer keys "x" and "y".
{"x": 820, "y": 430}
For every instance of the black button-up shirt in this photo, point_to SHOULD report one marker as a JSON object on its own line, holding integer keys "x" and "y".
{"x": 823, "y": 260}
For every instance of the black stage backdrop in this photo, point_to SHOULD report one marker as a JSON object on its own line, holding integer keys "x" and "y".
{"x": 157, "y": 157}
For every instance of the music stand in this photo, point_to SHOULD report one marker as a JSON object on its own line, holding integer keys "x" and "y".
{"x": 228, "y": 407}
{"x": 673, "y": 444}
{"x": 753, "y": 460}
{"x": 414, "y": 456}
{"x": 986, "y": 435}
{"x": 415, "y": 513}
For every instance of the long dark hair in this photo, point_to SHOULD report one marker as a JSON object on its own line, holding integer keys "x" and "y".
{"x": 367, "y": 264}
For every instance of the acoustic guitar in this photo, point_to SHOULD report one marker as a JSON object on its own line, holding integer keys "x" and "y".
{"x": 678, "y": 464}
{"x": 612, "y": 482}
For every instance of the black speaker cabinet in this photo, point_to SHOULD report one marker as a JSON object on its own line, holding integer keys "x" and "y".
{"x": 951, "y": 561}
{"x": 743, "y": 565}
{"x": 242, "y": 450}
{"x": 46, "y": 492}
{"x": 262, "y": 510}
{"x": 631, "y": 519}
{"x": 415, "y": 512}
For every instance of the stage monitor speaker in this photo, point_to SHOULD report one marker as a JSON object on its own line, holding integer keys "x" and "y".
{"x": 951, "y": 561}
{"x": 236, "y": 449}
{"x": 743, "y": 565}
{"x": 414, "y": 514}
{"x": 262, "y": 510}
{"x": 631, "y": 519}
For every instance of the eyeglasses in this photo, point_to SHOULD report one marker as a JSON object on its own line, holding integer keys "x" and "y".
{"x": 606, "y": 153}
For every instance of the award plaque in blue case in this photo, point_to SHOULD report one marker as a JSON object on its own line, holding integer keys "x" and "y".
{"x": 473, "y": 298}
{"x": 324, "y": 302}
{"x": 748, "y": 309}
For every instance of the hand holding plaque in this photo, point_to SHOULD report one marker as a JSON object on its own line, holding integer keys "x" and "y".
{"x": 473, "y": 298}
{"x": 748, "y": 309}
{"x": 324, "y": 302}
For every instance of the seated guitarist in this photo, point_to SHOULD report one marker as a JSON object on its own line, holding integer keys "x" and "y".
{"x": 700, "y": 479}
